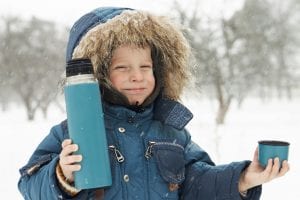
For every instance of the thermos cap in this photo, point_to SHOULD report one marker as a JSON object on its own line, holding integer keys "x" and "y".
{"x": 79, "y": 66}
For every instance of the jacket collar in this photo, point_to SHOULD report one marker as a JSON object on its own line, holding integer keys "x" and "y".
{"x": 168, "y": 112}
{"x": 172, "y": 113}
{"x": 124, "y": 113}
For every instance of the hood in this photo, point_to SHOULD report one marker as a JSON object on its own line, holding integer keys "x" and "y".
{"x": 97, "y": 34}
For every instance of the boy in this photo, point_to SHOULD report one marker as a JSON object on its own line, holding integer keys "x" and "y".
{"x": 141, "y": 62}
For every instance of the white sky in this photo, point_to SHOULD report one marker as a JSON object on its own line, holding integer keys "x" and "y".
{"x": 67, "y": 11}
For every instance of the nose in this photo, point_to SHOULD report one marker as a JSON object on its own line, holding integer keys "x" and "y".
{"x": 136, "y": 75}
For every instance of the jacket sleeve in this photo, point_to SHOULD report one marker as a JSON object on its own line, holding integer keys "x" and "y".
{"x": 205, "y": 180}
{"x": 38, "y": 177}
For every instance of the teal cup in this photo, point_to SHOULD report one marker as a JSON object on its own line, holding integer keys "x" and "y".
{"x": 271, "y": 149}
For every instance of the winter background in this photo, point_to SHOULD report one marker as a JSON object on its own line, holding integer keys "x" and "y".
{"x": 236, "y": 139}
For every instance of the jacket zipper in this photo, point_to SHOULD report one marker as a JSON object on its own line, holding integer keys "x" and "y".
{"x": 148, "y": 152}
{"x": 120, "y": 158}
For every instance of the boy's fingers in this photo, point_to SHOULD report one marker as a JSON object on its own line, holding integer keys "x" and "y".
{"x": 284, "y": 169}
{"x": 73, "y": 159}
{"x": 68, "y": 160}
{"x": 66, "y": 142}
{"x": 268, "y": 168}
{"x": 67, "y": 150}
{"x": 275, "y": 169}
{"x": 73, "y": 168}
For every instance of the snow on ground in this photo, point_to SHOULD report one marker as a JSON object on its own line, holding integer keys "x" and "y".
{"x": 237, "y": 139}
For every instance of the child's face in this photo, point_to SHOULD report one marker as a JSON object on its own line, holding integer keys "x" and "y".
{"x": 131, "y": 73}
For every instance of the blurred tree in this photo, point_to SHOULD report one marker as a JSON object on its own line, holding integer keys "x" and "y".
{"x": 266, "y": 41}
{"x": 252, "y": 51}
{"x": 5, "y": 73}
{"x": 33, "y": 60}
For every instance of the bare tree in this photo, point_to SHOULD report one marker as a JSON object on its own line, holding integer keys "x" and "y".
{"x": 242, "y": 55}
{"x": 33, "y": 58}
{"x": 266, "y": 39}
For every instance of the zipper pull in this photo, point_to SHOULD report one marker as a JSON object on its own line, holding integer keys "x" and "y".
{"x": 119, "y": 156}
{"x": 148, "y": 152}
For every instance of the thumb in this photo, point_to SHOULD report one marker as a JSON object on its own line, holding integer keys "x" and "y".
{"x": 255, "y": 157}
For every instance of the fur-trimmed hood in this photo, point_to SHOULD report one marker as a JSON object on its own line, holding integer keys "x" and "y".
{"x": 97, "y": 34}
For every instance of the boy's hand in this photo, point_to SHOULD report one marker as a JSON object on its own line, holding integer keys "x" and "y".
{"x": 255, "y": 174}
{"x": 67, "y": 161}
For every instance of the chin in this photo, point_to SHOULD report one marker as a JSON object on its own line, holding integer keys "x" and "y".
{"x": 136, "y": 102}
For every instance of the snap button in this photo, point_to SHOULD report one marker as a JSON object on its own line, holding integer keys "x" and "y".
{"x": 126, "y": 178}
{"x": 130, "y": 119}
{"x": 121, "y": 130}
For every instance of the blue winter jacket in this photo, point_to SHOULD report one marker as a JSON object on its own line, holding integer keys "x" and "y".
{"x": 158, "y": 153}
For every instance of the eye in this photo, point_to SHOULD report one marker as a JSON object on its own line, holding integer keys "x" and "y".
{"x": 120, "y": 68}
{"x": 146, "y": 67}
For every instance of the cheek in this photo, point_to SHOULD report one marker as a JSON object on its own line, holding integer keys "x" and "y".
{"x": 152, "y": 83}
{"x": 115, "y": 81}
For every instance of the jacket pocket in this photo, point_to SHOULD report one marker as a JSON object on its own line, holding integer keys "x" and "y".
{"x": 167, "y": 165}
{"x": 170, "y": 161}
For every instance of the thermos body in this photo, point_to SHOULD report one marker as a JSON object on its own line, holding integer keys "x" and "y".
{"x": 86, "y": 129}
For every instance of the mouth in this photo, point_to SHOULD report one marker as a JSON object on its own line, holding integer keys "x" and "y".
{"x": 135, "y": 90}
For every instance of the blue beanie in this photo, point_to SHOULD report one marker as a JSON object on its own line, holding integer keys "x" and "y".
{"x": 87, "y": 22}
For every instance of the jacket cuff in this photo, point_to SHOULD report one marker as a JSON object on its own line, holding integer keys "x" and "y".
{"x": 55, "y": 185}
{"x": 252, "y": 193}
{"x": 65, "y": 185}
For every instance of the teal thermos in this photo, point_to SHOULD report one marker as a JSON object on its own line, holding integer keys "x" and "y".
{"x": 86, "y": 124}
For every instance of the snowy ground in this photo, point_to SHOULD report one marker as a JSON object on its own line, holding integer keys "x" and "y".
{"x": 237, "y": 139}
